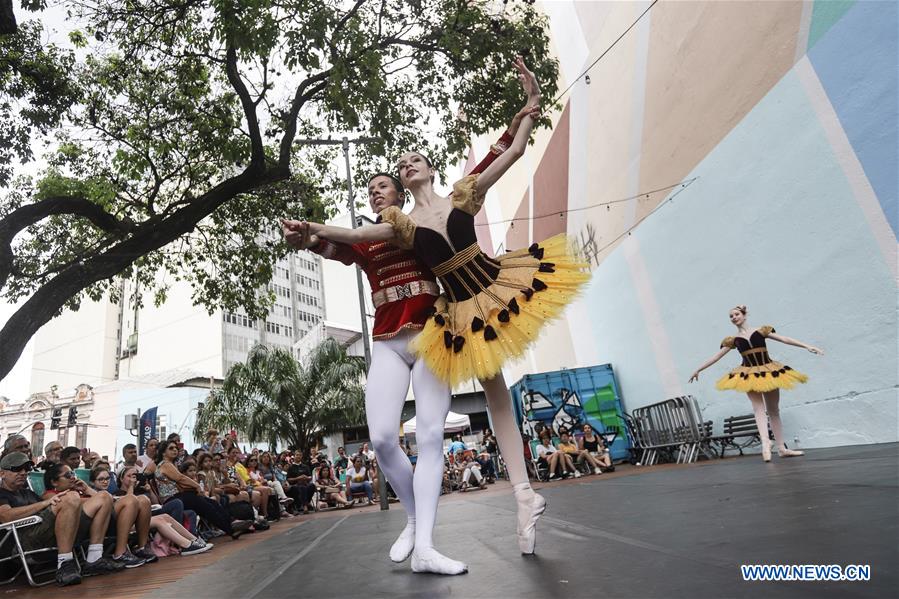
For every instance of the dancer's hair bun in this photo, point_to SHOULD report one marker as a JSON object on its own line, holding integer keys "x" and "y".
{"x": 741, "y": 308}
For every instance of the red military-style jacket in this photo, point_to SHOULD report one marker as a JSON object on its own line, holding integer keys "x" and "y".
{"x": 403, "y": 288}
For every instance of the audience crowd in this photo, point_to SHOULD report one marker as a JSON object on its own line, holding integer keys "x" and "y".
{"x": 167, "y": 502}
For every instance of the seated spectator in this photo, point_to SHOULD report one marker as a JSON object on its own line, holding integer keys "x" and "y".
{"x": 71, "y": 457}
{"x": 90, "y": 459}
{"x": 129, "y": 458}
{"x": 254, "y": 480}
{"x": 173, "y": 484}
{"x": 229, "y": 482}
{"x": 330, "y": 489}
{"x": 448, "y": 479}
{"x": 213, "y": 444}
{"x": 358, "y": 480}
{"x": 595, "y": 446}
{"x": 19, "y": 443}
{"x": 342, "y": 462}
{"x": 65, "y": 519}
{"x": 238, "y": 473}
{"x": 457, "y": 445}
{"x": 209, "y": 477}
{"x": 299, "y": 476}
{"x": 485, "y": 461}
{"x": 104, "y": 465}
{"x": 148, "y": 460}
{"x": 373, "y": 473}
{"x": 366, "y": 452}
{"x": 550, "y": 457}
{"x": 165, "y": 525}
{"x": 266, "y": 469}
{"x": 59, "y": 478}
{"x": 51, "y": 454}
{"x": 100, "y": 480}
{"x": 466, "y": 467}
{"x": 572, "y": 452}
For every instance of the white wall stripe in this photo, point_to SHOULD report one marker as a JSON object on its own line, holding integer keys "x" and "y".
{"x": 861, "y": 188}
{"x": 655, "y": 325}
{"x": 805, "y": 24}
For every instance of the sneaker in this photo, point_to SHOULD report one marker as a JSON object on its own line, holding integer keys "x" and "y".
{"x": 553, "y": 476}
{"x": 146, "y": 555}
{"x": 129, "y": 560}
{"x": 103, "y": 565}
{"x": 577, "y": 474}
{"x": 195, "y": 548}
{"x": 67, "y": 573}
{"x": 597, "y": 471}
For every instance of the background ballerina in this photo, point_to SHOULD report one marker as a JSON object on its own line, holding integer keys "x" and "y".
{"x": 760, "y": 377}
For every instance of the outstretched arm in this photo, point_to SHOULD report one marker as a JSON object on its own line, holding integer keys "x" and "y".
{"x": 377, "y": 232}
{"x": 709, "y": 362}
{"x": 791, "y": 341}
{"x": 496, "y": 170}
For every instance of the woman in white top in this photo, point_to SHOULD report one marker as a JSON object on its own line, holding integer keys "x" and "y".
{"x": 357, "y": 479}
{"x": 554, "y": 459}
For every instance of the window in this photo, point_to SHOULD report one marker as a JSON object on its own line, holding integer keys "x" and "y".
{"x": 81, "y": 435}
{"x": 37, "y": 438}
{"x": 161, "y": 428}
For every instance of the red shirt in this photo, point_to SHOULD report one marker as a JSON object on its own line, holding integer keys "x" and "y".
{"x": 387, "y": 266}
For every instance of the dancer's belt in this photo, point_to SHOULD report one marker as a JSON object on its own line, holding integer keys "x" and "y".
{"x": 757, "y": 356}
{"x": 398, "y": 292}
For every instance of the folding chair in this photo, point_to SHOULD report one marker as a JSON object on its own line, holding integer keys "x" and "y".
{"x": 9, "y": 538}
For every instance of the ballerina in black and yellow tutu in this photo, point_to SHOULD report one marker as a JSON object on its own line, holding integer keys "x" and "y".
{"x": 492, "y": 308}
{"x": 760, "y": 377}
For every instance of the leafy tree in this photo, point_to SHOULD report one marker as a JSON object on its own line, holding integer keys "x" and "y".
{"x": 175, "y": 137}
{"x": 273, "y": 398}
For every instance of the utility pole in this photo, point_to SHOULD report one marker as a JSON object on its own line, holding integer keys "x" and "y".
{"x": 366, "y": 343}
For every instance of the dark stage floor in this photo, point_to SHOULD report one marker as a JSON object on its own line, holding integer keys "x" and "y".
{"x": 675, "y": 532}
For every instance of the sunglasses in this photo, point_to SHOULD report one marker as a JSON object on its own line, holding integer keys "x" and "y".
{"x": 69, "y": 475}
{"x": 23, "y": 468}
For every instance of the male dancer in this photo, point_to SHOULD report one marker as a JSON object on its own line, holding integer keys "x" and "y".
{"x": 403, "y": 293}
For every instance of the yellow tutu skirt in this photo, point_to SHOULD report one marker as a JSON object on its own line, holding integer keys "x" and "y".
{"x": 762, "y": 379}
{"x": 474, "y": 338}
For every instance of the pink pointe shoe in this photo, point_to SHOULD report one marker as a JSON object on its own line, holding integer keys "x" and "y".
{"x": 766, "y": 453}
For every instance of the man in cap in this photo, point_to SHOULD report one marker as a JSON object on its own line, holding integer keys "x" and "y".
{"x": 64, "y": 519}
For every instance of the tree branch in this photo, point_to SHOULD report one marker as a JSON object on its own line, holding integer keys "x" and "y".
{"x": 257, "y": 155}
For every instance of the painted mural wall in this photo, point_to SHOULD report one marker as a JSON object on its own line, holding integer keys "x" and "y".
{"x": 723, "y": 153}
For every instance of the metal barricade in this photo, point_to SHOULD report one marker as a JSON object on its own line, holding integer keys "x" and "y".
{"x": 672, "y": 426}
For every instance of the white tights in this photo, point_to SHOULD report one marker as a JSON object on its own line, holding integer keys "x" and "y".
{"x": 770, "y": 401}
{"x": 508, "y": 436}
{"x": 388, "y": 381}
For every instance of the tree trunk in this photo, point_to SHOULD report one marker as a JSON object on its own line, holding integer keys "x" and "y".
{"x": 8, "y": 23}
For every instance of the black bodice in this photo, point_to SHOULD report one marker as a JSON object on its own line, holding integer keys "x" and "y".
{"x": 463, "y": 269}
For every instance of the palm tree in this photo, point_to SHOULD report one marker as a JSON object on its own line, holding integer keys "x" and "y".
{"x": 273, "y": 398}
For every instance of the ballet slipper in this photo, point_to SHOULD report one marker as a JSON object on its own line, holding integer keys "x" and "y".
{"x": 766, "y": 453}
{"x": 429, "y": 560}
{"x": 530, "y": 507}
{"x": 789, "y": 453}
{"x": 405, "y": 543}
